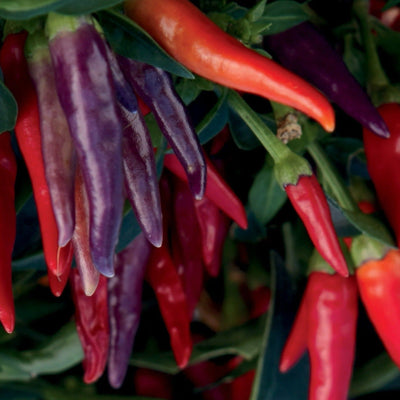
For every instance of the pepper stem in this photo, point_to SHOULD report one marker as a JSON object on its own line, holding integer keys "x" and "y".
{"x": 288, "y": 165}
{"x": 57, "y": 23}
{"x": 332, "y": 177}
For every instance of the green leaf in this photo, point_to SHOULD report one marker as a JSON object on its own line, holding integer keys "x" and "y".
{"x": 25, "y": 9}
{"x": 390, "y": 3}
{"x": 280, "y": 16}
{"x": 77, "y": 7}
{"x": 373, "y": 375}
{"x": 8, "y": 107}
{"x": 243, "y": 341}
{"x": 130, "y": 40}
{"x": 266, "y": 196}
{"x": 269, "y": 383}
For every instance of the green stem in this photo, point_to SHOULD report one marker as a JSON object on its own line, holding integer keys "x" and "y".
{"x": 332, "y": 177}
{"x": 57, "y": 23}
{"x": 272, "y": 144}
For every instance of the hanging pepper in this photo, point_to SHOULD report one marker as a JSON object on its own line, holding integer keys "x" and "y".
{"x": 195, "y": 41}
{"x": 125, "y": 305}
{"x": 86, "y": 92}
{"x": 27, "y": 131}
{"x": 325, "y": 325}
{"x": 154, "y": 86}
{"x": 80, "y": 238}
{"x": 8, "y": 174}
{"x": 217, "y": 190}
{"x": 305, "y": 51}
{"x": 163, "y": 277}
{"x": 91, "y": 318}
{"x": 57, "y": 148}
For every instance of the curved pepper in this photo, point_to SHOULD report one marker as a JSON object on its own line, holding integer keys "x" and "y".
{"x": 27, "y": 131}
{"x": 326, "y": 326}
{"x": 125, "y": 305}
{"x": 217, "y": 190}
{"x": 166, "y": 283}
{"x": 306, "y": 52}
{"x": 86, "y": 92}
{"x": 8, "y": 174}
{"x": 91, "y": 318}
{"x": 196, "y": 42}
{"x": 379, "y": 285}
{"x": 309, "y": 201}
{"x": 154, "y": 86}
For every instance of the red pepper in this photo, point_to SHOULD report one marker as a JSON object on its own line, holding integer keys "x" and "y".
{"x": 91, "y": 317}
{"x": 216, "y": 190}
{"x": 326, "y": 326}
{"x": 382, "y": 155}
{"x": 379, "y": 284}
{"x": 8, "y": 174}
{"x": 309, "y": 201}
{"x": 195, "y": 41}
{"x": 166, "y": 283}
{"x": 152, "y": 383}
{"x": 27, "y": 130}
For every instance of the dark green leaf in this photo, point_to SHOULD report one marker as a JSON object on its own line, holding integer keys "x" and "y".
{"x": 243, "y": 341}
{"x": 8, "y": 107}
{"x": 25, "y": 9}
{"x": 281, "y": 15}
{"x": 77, "y": 7}
{"x": 129, "y": 230}
{"x": 266, "y": 196}
{"x": 129, "y": 40}
{"x": 269, "y": 383}
{"x": 390, "y": 3}
{"x": 214, "y": 121}
{"x": 255, "y": 231}
{"x": 373, "y": 375}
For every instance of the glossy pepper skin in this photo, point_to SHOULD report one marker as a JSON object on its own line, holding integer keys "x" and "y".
{"x": 27, "y": 131}
{"x": 91, "y": 318}
{"x": 86, "y": 92}
{"x": 379, "y": 285}
{"x": 163, "y": 277}
{"x": 8, "y": 174}
{"x": 382, "y": 156}
{"x": 217, "y": 190}
{"x": 155, "y": 88}
{"x": 125, "y": 305}
{"x": 57, "y": 148}
{"x": 309, "y": 201}
{"x": 326, "y": 326}
{"x": 195, "y": 41}
{"x": 306, "y": 52}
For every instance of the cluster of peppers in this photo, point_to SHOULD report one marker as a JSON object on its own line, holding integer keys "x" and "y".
{"x": 82, "y": 133}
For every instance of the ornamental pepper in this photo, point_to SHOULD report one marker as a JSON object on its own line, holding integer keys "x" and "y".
{"x": 91, "y": 318}
{"x": 194, "y": 40}
{"x": 125, "y": 305}
{"x": 79, "y": 56}
{"x": 57, "y": 148}
{"x": 8, "y": 174}
{"x": 325, "y": 324}
{"x": 163, "y": 277}
{"x": 27, "y": 131}
{"x": 155, "y": 87}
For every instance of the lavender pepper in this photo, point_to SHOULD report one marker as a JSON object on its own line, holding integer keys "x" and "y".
{"x": 57, "y": 148}
{"x": 86, "y": 92}
{"x": 155, "y": 87}
{"x": 140, "y": 174}
{"x": 305, "y": 51}
{"x": 125, "y": 304}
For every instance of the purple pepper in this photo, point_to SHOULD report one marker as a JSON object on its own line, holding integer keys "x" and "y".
{"x": 57, "y": 148}
{"x": 86, "y": 91}
{"x": 306, "y": 52}
{"x": 140, "y": 174}
{"x": 125, "y": 304}
{"x": 155, "y": 87}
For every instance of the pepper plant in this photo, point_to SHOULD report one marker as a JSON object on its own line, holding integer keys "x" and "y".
{"x": 198, "y": 199}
